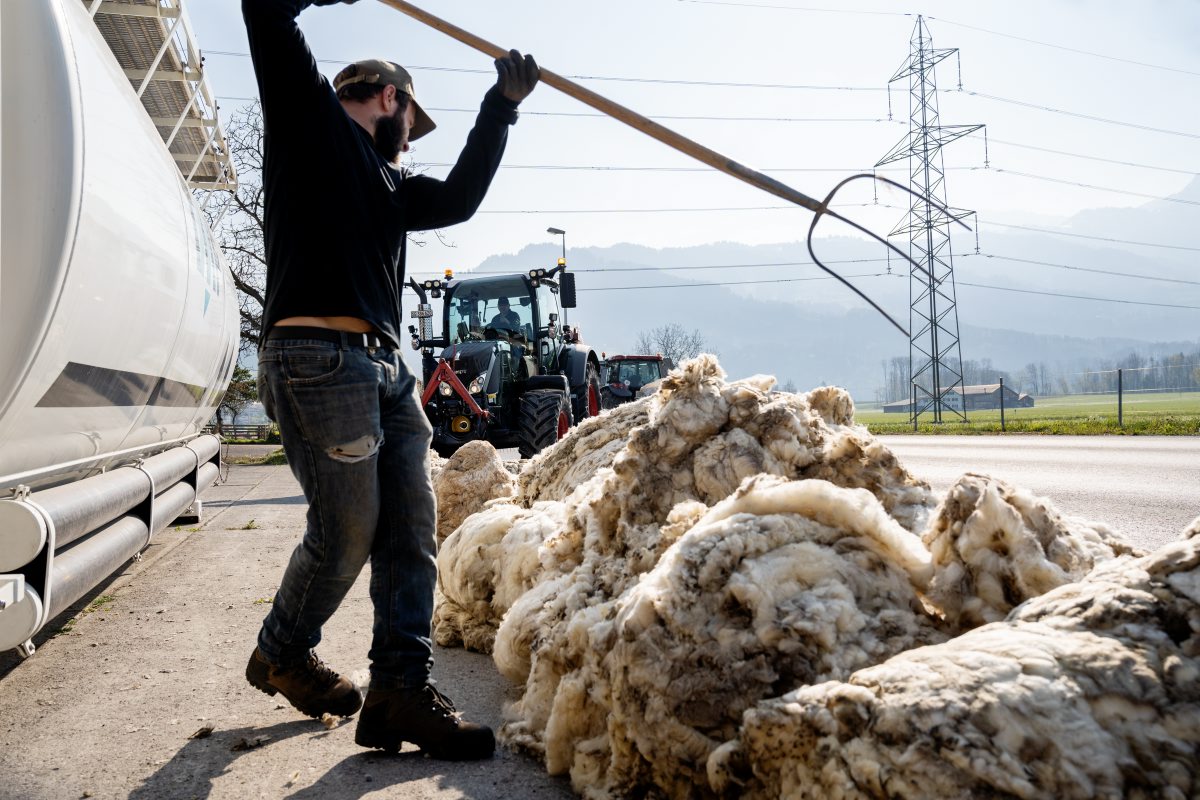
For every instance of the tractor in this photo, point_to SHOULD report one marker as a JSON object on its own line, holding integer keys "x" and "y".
{"x": 625, "y": 375}
{"x": 507, "y": 368}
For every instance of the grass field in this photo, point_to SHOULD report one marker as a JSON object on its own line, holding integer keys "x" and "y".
{"x": 1144, "y": 414}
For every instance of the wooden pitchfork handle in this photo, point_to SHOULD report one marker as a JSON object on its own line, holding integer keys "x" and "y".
{"x": 621, "y": 113}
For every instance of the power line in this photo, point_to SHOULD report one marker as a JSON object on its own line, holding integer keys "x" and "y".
{"x": 1079, "y": 115}
{"x": 1105, "y": 56}
{"x": 776, "y": 264}
{"x": 710, "y": 170}
{"x": 687, "y": 117}
{"x": 612, "y": 78}
{"x": 636, "y": 210}
{"x": 1085, "y": 236}
{"x": 994, "y": 140}
{"x": 1077, "y": 296}
{"x": 700, "y": 266}
{"x": 676, "y": 117}
{"x": 1079, "y": 269}
{"x": 1081, "y": 185}
{"x": 1065, "y": 48}
{"x": 800, "y": 8}
{"x": 878, "y": 275}
{"x": 728, "y": 283}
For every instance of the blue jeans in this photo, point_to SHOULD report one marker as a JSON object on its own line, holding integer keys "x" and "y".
{"x": 358, "y": 442}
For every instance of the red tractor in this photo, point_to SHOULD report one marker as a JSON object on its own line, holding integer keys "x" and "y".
{"x": 625, "y": 375}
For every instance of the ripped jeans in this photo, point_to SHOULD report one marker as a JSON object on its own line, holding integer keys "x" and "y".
{"x": 358, "y": 442}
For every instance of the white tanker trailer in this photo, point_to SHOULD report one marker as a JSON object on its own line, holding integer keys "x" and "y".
{"x": 118, "y": 320}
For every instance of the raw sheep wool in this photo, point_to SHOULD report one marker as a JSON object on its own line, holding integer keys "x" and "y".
{"x": 1192, "y": 530}
{"x": 466, "y": 481}
{"x": 681, "y": 564}
{"x": 702, "y": 439}
{"x": 784, "y": 584}
{"x": 590, "y": 447}
{"x": 994, "y": 547}
{"x": 1089, "y": 691}
{"x": 485, "y": 565}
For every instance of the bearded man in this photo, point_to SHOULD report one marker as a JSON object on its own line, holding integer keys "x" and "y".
{"x": 338, "y": 211}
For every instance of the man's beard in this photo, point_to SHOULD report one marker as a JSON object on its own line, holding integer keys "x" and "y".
{"x": 389, "y": 134}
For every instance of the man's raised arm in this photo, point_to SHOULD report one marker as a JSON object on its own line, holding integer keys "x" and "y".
{"x": 289, "y": 82}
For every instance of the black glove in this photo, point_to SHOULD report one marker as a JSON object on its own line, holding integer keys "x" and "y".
{"x": 516, "y": 75}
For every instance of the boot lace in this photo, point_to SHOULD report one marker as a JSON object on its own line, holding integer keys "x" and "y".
{"x": 440, "y": 701}
{"x": 322, "y": 674}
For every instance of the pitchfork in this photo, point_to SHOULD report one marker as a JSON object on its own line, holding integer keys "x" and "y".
{"x": 695, "y": 150}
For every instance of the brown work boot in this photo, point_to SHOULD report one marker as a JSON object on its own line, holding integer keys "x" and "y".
{"x": 424, "y": 717}
{"x": 313, "y": 688}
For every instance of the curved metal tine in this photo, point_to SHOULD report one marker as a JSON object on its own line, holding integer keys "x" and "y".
{"x": 873, "y": 235}
{"x": 813, "y": 255}
{"x": 882, "y": 239}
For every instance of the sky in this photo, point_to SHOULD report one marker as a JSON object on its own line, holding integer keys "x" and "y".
{"x": 810, "y": 107}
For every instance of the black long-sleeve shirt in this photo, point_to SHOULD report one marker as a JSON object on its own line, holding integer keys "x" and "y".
{"x": 337, "y": 214}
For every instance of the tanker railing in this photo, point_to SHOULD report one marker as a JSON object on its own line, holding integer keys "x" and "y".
{"x": 64, "y": 541}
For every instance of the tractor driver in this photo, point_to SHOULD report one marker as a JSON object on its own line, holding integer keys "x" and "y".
{"x": 507, "y": 318}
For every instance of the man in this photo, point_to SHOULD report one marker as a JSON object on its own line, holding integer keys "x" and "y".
{"x": 507, "y": 318}
{"x": 337, "y": 215}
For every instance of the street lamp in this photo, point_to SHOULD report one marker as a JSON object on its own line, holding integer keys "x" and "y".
{"x": 563, "y": 234}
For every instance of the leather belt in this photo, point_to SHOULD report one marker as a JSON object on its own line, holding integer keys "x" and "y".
{"x": 344, "y": 338}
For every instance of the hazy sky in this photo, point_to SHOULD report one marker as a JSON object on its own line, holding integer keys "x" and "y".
{"x": 673, "y": 54}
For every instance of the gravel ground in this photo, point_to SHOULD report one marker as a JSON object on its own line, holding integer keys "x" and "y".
{"x": 106, "y": 706}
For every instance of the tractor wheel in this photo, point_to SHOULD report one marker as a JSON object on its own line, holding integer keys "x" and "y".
{"x": 545, "y": 418}
{"x": 585, "y": 398}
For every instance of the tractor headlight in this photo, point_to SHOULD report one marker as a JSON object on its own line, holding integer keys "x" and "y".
{"x": 445, "y": 389}
{"x": 477, "y": 385}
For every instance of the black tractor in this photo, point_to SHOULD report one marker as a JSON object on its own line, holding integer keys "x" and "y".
{"x": 506, "y": 368}
{"x": 625, "y": 375}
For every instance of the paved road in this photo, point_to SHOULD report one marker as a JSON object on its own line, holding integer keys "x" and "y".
{"x": 1147, "y": 487}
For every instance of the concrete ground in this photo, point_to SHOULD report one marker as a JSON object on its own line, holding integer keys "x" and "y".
{"x": 108, "y": 704}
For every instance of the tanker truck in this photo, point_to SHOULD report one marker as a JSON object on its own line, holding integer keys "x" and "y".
{"x": 118, "y": 317}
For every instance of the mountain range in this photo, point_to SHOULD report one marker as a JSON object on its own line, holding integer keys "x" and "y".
{"x": 1019, "y": 300}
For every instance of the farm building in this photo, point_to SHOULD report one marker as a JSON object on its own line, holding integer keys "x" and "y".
{"x": 976, "y": 398}
{"x": 987, "y": 396}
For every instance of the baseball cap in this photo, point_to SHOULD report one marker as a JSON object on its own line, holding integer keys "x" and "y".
{"x": 374, "y": 70}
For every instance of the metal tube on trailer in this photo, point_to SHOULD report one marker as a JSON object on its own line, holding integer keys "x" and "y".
{"x": 78, "y": 569}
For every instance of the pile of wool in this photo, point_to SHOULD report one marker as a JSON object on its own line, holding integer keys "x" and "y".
{"x": 466, "y": 482}
{"x": 702, "y": 439}
{"x": 995, "y": 546}
{"x": 676, "y": 565}
{"x": 1091, "y": 690}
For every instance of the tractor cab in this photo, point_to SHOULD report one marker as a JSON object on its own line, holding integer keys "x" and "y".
{"x": 507, "y": 309}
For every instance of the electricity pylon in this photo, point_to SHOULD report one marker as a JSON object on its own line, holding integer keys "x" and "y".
{"x": 934, "y": 354}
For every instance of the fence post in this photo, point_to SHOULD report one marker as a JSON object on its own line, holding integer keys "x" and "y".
{"x": 914, "y": 407}
{"x": 1120, "y": 398}
{"x": 1002, "y": 428}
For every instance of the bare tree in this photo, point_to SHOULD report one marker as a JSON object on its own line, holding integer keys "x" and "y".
{"x": 239, "y": 222}
{"x": 671, "y": 341}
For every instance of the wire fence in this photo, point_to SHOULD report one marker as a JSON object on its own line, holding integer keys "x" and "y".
{"x": 1158, "y": 398}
